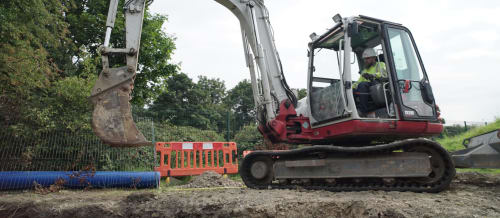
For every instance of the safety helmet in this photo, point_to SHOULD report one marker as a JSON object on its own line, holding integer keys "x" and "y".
{"x": 369, "y": 52}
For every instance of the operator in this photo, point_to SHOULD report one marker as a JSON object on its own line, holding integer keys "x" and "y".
{"x": 372, "y": 70}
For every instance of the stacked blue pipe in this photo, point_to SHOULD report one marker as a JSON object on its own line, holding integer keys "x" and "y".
{"x": 15, "y": 180}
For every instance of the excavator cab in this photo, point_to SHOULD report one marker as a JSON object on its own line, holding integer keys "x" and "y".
{"x": 401, "y": 93}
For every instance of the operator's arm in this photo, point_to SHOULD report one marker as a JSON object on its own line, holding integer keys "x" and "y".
{"x": 375, "y": 72}
{"x": 378, "y": 71}
{"x": 381, "y": 70}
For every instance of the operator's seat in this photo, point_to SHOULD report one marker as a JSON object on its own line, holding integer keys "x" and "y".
{"x": 377, "y": 98}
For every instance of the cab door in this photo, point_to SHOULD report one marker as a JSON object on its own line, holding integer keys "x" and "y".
{"x": 412, "y": 88}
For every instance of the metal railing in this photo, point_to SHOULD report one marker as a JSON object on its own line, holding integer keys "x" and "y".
{"x": 63, "y": 150}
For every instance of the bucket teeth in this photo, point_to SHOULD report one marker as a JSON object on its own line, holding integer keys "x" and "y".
{"x": 112, "y": 119}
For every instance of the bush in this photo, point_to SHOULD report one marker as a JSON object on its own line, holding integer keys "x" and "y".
{"x": 454, "y": 143}
{"x": 166, "y": 132}
{"x": 248, "y": 138}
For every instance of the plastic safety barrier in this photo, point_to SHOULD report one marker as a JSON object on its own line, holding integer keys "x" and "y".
{"x": 194, "y": 158}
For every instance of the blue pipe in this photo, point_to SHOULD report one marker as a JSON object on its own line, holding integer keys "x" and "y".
{"x": 13, "y": 180}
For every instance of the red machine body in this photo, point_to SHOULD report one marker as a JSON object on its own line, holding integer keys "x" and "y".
{"x": 289, "y": 128}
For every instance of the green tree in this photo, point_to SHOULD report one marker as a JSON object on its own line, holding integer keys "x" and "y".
{"x": 67, "y": 105}
{"x": 178, "y": 99}
{"x": 302, "y": 93}
{"x": 29, "y": 31}
{"x": 210, "y": 91}
{"x": 168, "y": 133}
{"x": 186, "y": 103}
{"x": 49, "y": 60}
{"x": 87, "y": 21}
{"x": 210, "y": 94}
{"x": 240, "y": 100}
{"x": 248, "y": 138}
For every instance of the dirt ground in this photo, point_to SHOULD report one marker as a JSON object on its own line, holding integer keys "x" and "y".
{"x": 470, "y": 195}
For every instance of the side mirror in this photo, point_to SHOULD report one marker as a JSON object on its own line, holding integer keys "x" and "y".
{"x": 353, "y": 29}
{"x": 426, "y": 90}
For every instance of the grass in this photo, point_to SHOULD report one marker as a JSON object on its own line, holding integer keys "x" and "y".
{"x": 235, "y": 177}
{"x": 455, "y": 143}
{"x": 487, "y": 171}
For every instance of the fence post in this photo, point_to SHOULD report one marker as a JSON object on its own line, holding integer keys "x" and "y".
{"x": 154, "y": 142}
{"x": 228, "y": 126}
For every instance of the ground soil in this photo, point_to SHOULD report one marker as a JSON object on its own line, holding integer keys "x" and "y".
{"x": 470, "y": 195}
{"x": 210, "y": 179}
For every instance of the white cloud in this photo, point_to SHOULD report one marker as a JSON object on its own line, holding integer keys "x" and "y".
{"x": 469, "y": 54}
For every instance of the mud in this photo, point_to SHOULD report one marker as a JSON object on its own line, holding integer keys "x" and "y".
{"x": 470, "y": 195}
{"x": 211, "y": 179}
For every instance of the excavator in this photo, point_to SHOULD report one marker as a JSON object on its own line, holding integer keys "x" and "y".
{"x": 350, "y": 150}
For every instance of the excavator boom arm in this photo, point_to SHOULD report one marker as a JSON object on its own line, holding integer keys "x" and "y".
{"x": 112, "y": 118}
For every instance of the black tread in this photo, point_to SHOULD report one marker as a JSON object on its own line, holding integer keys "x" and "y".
{"x": 400, "y": 185}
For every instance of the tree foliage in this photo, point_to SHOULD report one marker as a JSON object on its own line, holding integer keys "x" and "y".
{"x": 240, "y": 100}
{"x": 187, "y": 103}
{"x": 168, "y": 132}
{"x": 29, "y": 31}
{"x": 49, "y": 60}
{"x": 87, "y": 27}
{"x": 302, "y": 93}
{"x": 248, "y": 138}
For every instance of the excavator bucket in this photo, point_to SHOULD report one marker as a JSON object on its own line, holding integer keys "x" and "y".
{"x": 112, "y": 119}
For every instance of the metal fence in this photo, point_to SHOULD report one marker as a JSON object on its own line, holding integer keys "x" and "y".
{"x": 465, "y": 123}
{"x": 63, "y": 150}
{"x": 456, "y": 127}
{"x": 58, "y": 150}
{"x": 80, "y": 154}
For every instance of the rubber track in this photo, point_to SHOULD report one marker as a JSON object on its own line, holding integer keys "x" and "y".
{"x": 399, "y": 185}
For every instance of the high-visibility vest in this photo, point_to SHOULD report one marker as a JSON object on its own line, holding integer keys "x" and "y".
{"x": 378, "y": 70}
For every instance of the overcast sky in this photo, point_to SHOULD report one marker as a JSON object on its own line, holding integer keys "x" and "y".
{"x": 459, "y": 42}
